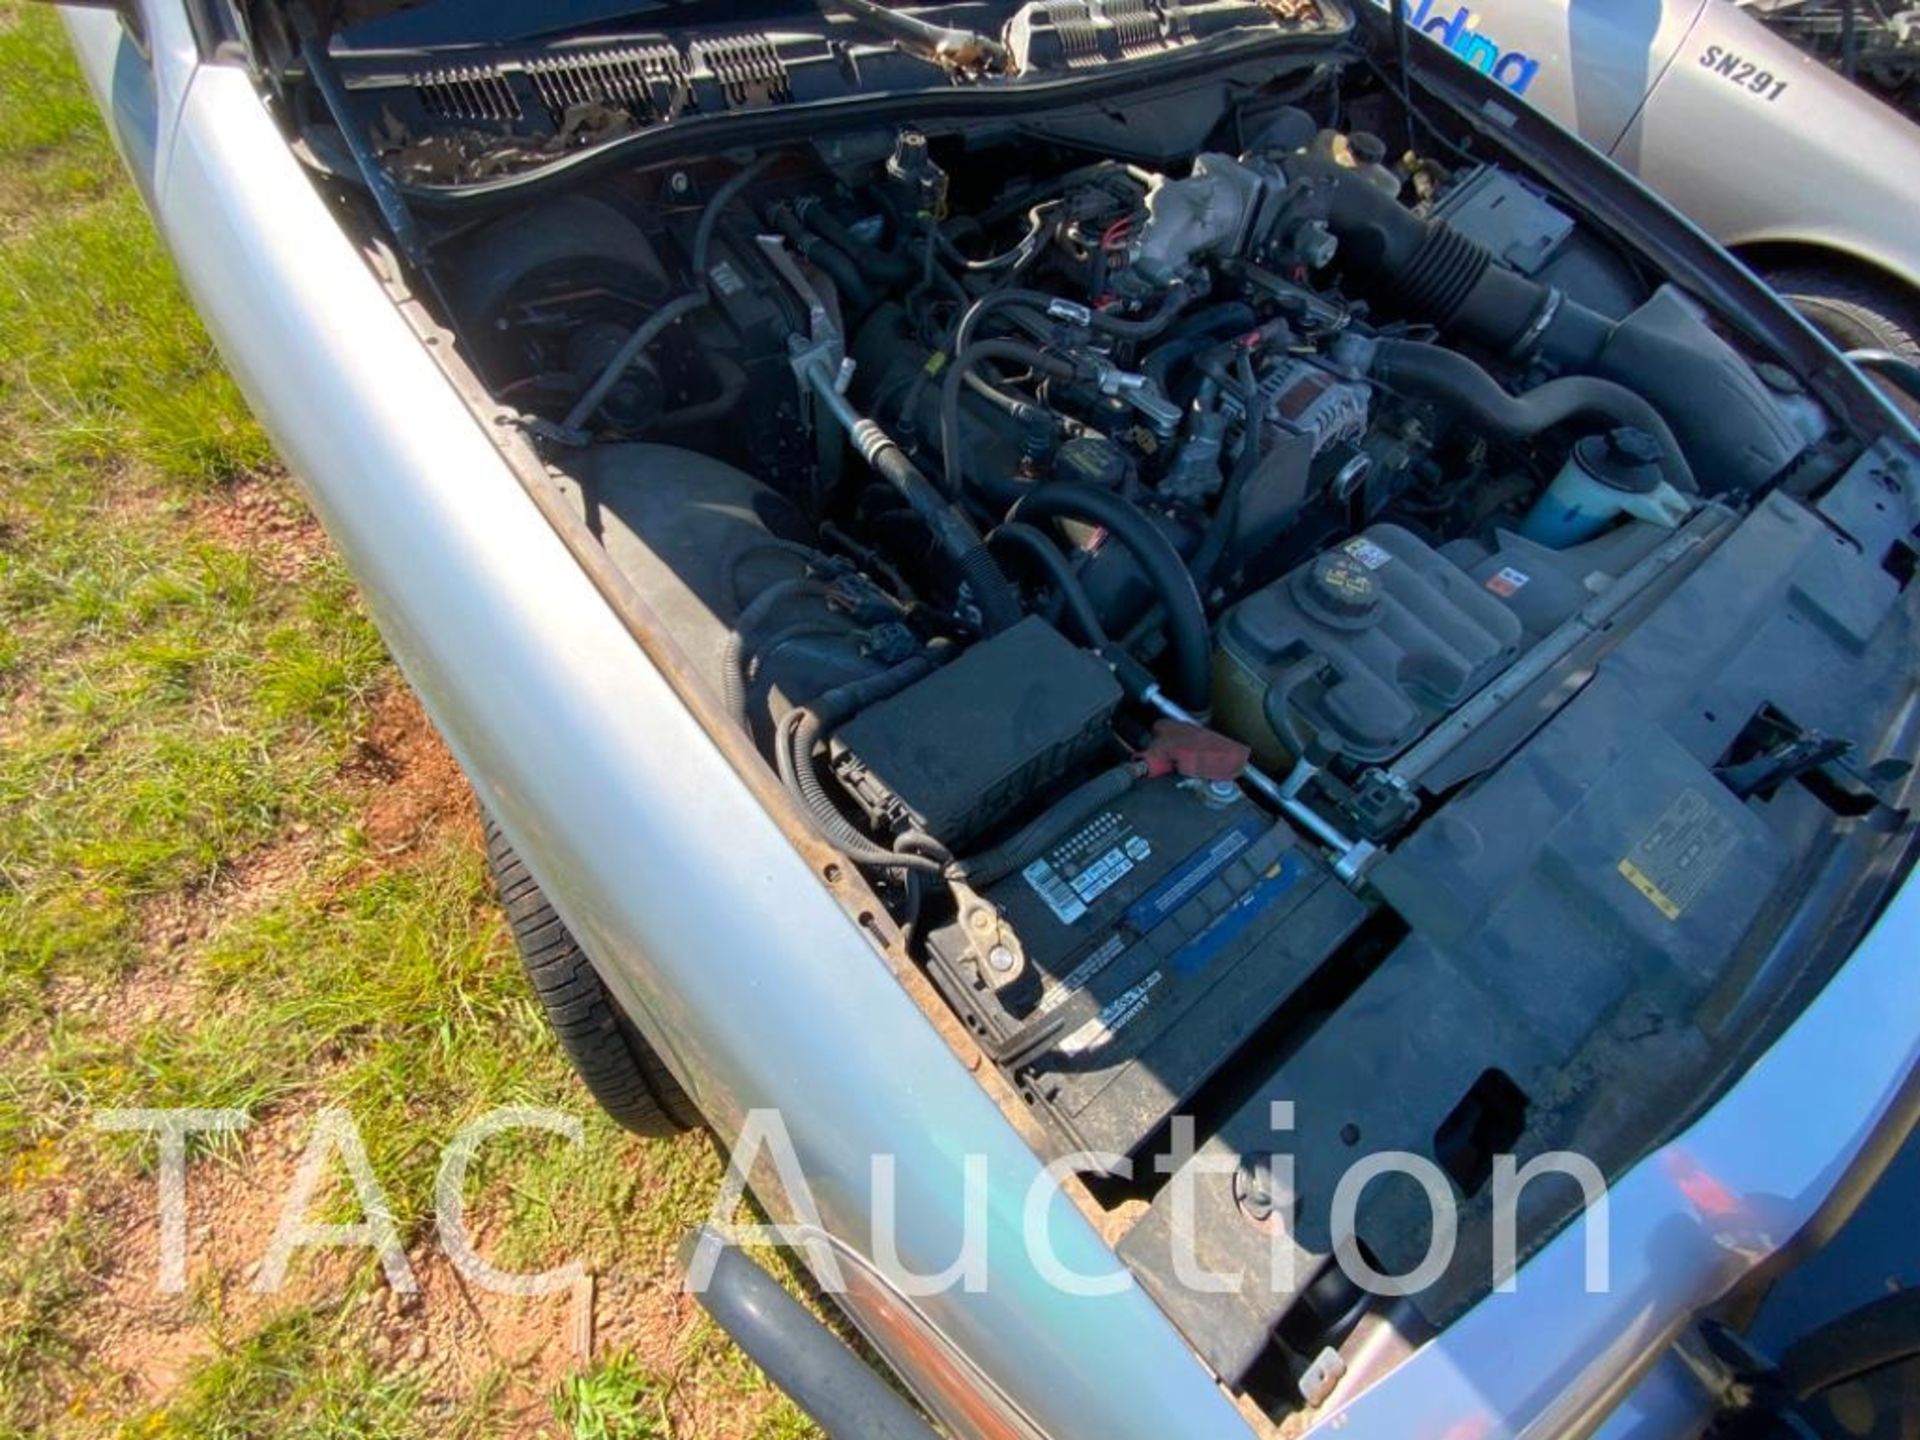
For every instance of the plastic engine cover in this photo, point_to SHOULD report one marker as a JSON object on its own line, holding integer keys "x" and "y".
{"x": 1363, "y": 648}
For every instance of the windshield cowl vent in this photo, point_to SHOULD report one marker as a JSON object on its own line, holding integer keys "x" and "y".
{"x": 469, "y": 92}
{"x": 748, "y": 69}
{"x": 650, "y": 81}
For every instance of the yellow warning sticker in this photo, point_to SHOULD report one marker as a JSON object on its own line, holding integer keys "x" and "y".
{"x": 1679, "y": 857}
{"x": 1662, "y": 901}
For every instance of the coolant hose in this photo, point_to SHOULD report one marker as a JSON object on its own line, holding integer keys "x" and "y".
{"x": 1043, "y": 552}
{"x": 1046, "y": 829}
{"x": 839, "y": 266}
{"x": 1446, "y": 375}
{"x": 1186, "y": 618}
{"x": 888, "y": 268}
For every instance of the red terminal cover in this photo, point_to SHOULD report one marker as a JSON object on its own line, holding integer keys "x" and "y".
{"x": 1193, "y": 752}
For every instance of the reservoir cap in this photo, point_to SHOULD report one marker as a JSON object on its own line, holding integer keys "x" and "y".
{"x": 1624, "y": 459}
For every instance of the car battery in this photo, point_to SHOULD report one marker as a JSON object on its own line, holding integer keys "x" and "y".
{"x": 1160, "y": 934}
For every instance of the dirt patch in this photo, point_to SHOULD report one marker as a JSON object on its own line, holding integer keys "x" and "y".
{"x": 453, "y": 1336}
{"x": 412, "y": 783}
{"x": 175, "y": 920}
{"x": 264, "y": 517}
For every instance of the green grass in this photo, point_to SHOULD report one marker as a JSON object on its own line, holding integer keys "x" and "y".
{"x": 287, "y": 1379}
{"x": 617, "y": 1400}
{"x": 191, "y": 912}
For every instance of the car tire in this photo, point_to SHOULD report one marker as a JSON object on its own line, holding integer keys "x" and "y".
{"x": 1856, "y": 1375}
{"x": 1856, "y": 312}
{"x": 626, "y": 1078}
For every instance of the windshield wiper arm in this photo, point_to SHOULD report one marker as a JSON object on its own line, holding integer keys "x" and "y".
{"x": 944, "y": 44}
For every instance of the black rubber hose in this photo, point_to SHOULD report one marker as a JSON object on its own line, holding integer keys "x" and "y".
{"x": 644, "y": 335}
{"x": 1186, "y": 617}
{"x": 970, "y": 360}
{"x": 733, "y": 670}
{"x": 999, "y": 602}
{"x": 1148, "y": 326}
{"x": 890, "y": 270}
{"x": 1436, "y": 273}
{"x": 1046, "y": 829}
{"x": 721, "y": 199}
{"x": 1200, "y": 331}
{"x": 837, "y": 265}
{"x": 651, "y": 328}
{"x": 1073, "y": 595}
{"x": 1226, "y": 514}
{"x": 1452, "y": 378}
{"x": 733, "y": 389}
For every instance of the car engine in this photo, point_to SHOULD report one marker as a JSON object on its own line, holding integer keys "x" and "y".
{"x": 1126, "y": 566}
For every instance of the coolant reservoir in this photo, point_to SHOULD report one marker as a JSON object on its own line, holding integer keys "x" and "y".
{"x": 1360, "y": 651}
{"x": 1607, "y": 476}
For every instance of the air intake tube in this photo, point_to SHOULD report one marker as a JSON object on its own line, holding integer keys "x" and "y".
{"x": 1716, "y": 409}
{"x": 1428, "y": 268}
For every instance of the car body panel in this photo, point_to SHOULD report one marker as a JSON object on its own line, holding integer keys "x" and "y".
{"x": 742, "y": 967}
{"x": 733, "y": 956}
{"x": 1588, "y": 63}
{"x": 1708, "y": 106}
{"x": 1693, "y": 1218}
{"x": 1819, "y": 162}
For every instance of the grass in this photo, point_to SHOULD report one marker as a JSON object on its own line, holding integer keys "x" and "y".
{"x": 196, "y": 908}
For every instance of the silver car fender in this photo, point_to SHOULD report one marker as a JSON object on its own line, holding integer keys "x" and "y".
{"x": 735, "y": 958}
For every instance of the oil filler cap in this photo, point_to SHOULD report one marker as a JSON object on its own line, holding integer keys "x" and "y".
{"x": 1341, "y": 590}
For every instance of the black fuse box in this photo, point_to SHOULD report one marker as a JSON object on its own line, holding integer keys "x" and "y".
{"x": 961, "y": 750}
{"x": 1159, "y": 936}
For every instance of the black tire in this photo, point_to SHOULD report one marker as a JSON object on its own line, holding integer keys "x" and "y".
{"x": 619, "y": 1068}
{"x": 1856, "y": 312}
{"x": 1859, "y": 1375}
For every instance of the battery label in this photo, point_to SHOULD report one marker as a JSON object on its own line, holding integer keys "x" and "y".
{"x": 1114, "y": 1017}
{"x": 1082, "y": 868}
{"x": 1230, "y": 924}
{"x": 1055, "y": 993}
{"x": 1191, "y": 875}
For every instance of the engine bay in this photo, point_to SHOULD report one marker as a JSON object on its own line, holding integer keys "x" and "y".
{"x": 1219, "y": 605}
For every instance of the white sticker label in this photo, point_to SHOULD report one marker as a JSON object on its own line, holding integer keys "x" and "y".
{"x": 1114, "y": 1017}
{"x": 1506, "y": 583}
{"x": 1068, "y": 896}
{"x": 1048, "y": 885}
{"x": 1367, "y": 553}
